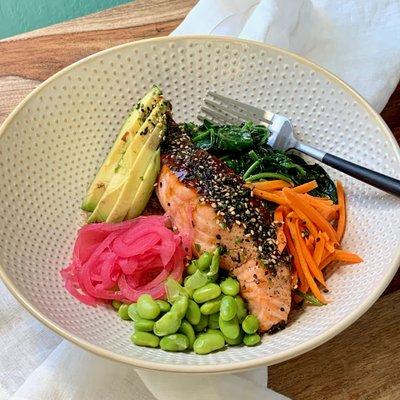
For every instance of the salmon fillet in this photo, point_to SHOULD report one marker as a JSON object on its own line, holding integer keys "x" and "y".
{"x": 206, "y": 200}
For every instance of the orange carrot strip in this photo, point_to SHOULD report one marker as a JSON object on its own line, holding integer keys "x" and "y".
{"x": 295, "y": 201}
{"x": 326, "y": 210}
{"x": 326, "y": 261}
{"x": 342, "y": 210}
{"x": 319, "y": 249}
{"x": 319, "y": 200}
{"x": 280, "y": 235}
{"x": 310, "y": 226}
{"x": 271, "y": 185}
{"x": 295, "y": 259}
{"x": 310, "y": 243}
{"x": 308, "y": 257}
{"x": 346, "y": 256}
{"x": 306, "y": 187}
{"x": 294, "y": 230}
{"x": 275, "y": 198}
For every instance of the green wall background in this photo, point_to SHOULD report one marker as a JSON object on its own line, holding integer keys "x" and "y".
{"x": 17, "y": 16}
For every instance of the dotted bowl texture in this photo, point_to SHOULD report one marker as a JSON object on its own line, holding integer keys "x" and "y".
{"x": 53, "y": 144}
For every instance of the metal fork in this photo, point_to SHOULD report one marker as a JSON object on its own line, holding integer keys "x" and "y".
{"x": 221, "y": 109}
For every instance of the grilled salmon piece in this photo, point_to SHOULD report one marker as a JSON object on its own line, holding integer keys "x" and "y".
{"x": 206, "y": 200}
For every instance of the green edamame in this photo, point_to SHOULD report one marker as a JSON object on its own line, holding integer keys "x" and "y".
{"x": 236, "y": 341}
{"x": 208, "y": 342}
{"x": 116, "y": 304}
{"x": 211, "y": 307}
{"x": 202, "y": 324}
{"x": 250, "y": 324}
{"x": 180, "y": 306}
{"x": 123, "y": 312}
{"x": 204, "y": 261}
{"x": 230, "y": 329}
{"x": 214, "y": 267}
{"x": 146, "y": 339}
{"x": 133, "y": 312}
{"x": 174, "y": 342}
{"x": 213, "y": 321}
{"x": 230, "y": 286}
{"x": 228, "y": 308}
{"x": 147, "y": 307}
{"x": 164, "y": 305}
{"x": 169, "y": 323}
{"x": 206, "y": 293}
{"x": 144, "y": 325}
{"x": 192, "y": 267}
{"x": 251, "y": 340}
{"x": 193, "y": 313}
{"x": 241, "y": 308}
{"x": 188, "y": 331}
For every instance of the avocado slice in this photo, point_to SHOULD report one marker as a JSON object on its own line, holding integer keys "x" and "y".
{"x": 116, "y": 200}
{"x": 130, "y": 127}
{"x": 136, "y": 176}
{"x": 146, "y": 187}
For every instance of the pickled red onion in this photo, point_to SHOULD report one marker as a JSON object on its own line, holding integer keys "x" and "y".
{"x": 124, "y": 260}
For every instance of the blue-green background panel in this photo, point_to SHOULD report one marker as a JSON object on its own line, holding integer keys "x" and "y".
{"x": 17, "y": 16}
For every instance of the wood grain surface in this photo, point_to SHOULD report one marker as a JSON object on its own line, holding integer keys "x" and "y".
{"x": 363, "y": 362}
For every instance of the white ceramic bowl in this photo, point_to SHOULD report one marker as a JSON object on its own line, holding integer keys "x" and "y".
{"x": 53, "y": 143}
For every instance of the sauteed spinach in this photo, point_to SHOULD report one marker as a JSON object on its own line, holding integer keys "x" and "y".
{"x": 245, "y": 149}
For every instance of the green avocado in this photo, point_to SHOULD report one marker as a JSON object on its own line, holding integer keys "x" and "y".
{"x": 116, "y": 200}
{"x": 128, "y": 131}
{"x": 146, "y": 187}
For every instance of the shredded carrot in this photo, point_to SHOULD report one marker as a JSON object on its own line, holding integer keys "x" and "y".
{"x": 275, "y": 198}
{"x": 280, "y": 235}
{"x": 309, "y": 224}
{"x": 310, "y": 243}
{"x": 294, "y": 200}
{"x": 328, "y": 211}
{"x": 308, "y": 257}
{"x": 306, "y": 187}
{"x": 326, "y": 261}
{"x": 319, "y": 249}
{"x": 295, "y": 232}
{"x": 346, "y": 256}
{"x": 271, "y": 185}
{"x": 342, "y": 211}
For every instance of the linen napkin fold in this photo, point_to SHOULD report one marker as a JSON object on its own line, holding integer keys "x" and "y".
{"x": 359, "y": 40}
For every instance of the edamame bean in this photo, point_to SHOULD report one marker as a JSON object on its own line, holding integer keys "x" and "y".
{"x": 174, "y": 342}
{"x": 188, "y": 331}
{"x": 133, "y": 312}
{"x": 235, "y": 342}
{"x": 145, "y": 339}
{"x": 147, "y": 307}
{"x": 193, "y": 313}
{"x": 230, "y": 286}
{"x": 192, "y": 267}
{"x": 217, "y": 331}
{"x": 144, "y": 325}
{"x": 206, "y": 293}
{"x": 208, "y": 342}
{"x": 241, "y": 308}
{"x": 164, "y": 305}
{"x": 116, "y": 304}
{"x": 213, "y": 321}
{"x": 230, "y": 329}
{"x": 202, "y": 324}
{"x": 250, "y": 324}
{"x": 251, "y": 340}
{"x": 123, "y": 311}
{"x": 180, "y": 306}
{"x": 169, "y": 323}
{"x": 204, "y": 261}
{"x": 211, "y": 307}
{"x": 228, "y": 308}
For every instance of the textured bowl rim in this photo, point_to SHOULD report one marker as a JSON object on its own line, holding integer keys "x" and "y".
{"x": 241, "y": 365}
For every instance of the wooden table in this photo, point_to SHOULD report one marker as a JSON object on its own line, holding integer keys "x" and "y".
{"x": 363, "y": 362}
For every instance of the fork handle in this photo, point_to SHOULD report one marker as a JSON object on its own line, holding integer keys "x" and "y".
{"x": 380, "y": 181}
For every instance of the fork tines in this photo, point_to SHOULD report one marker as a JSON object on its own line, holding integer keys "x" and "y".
{"x": 228, "y": 111}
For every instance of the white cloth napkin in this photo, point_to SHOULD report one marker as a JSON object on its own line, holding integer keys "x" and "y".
{"x": 359, "y": 40}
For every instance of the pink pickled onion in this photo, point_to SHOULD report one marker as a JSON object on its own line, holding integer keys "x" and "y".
{"x": 124, "y": 260}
